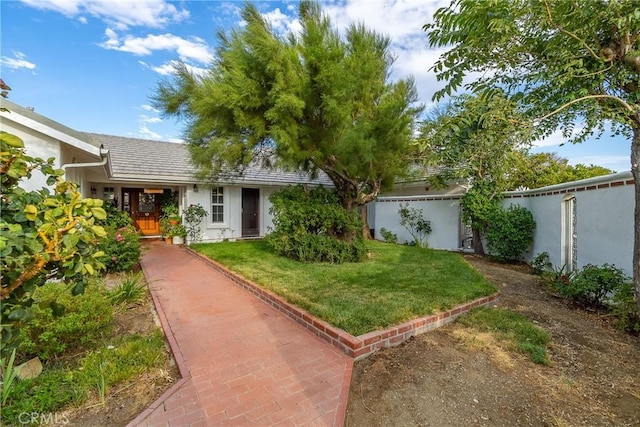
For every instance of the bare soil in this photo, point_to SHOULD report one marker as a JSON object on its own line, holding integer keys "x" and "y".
{"x": 126, "y": 401}
{"x": 457, "y": 376}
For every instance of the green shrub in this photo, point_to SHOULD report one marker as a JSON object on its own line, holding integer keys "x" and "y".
{"x": 623, "y": 306}
{"x": 510, "y": 233}
{"x": 312, "y": 226}
{"x": 121, "y": 247}
{"x": 592, "y": 286}
{"x": 62, "y": 321}
{"x": 541, "y": 263}
{"x": 115, "y": 217}
{"x": 388, "y": 236}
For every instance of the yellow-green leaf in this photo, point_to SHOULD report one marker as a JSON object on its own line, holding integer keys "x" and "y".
{"x": 99, "y": 213}
{"x": 98, "y": 231}
{"x": 89, "y": 268}
{"x": 98, "y": 254}
{"x": 11, "y": 140}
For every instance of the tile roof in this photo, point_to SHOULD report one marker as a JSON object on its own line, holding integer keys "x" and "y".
{"x": 143, "y": 159}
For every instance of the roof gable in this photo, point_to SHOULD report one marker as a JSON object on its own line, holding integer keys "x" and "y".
{"x": 46, "y": 126}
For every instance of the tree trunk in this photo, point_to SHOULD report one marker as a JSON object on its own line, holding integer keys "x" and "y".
{"x": 366, "y": 231}
{"x": 478, "y": 249}
{"x": 635, "y": 158}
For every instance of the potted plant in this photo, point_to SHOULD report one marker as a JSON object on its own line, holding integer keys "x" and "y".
{"x": 170, "y": 211}
{"x": 178, "y": 233}
{"x": 165, "y": 229}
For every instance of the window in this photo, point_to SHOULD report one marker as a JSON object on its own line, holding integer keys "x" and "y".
{"x": 217, "y": 204}
{"x": 108, "y": 194}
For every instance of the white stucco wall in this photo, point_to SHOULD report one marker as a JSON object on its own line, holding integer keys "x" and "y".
{"x": 442, "y": 212}
{"x": 604, "y": 220}
{"x": 231, "y": 228}
{"x": 36, "y": 145}
{"x": 605, "y": 207}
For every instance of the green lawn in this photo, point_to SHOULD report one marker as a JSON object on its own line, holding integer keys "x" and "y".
{"x": 397, "y": 284}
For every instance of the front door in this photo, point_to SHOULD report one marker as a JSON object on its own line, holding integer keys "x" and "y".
{"x": 144, "y": 208}
{"x": 250, "y": 211}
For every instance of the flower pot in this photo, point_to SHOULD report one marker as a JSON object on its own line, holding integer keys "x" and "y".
{"x": 168, "y": 240}
{"x": 173, "y": 221}
{"x": 178, "y": 240}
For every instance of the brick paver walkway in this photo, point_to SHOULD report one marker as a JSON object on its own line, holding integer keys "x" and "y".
{"x": 243, "y": 363}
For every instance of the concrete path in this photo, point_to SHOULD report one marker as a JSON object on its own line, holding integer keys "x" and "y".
{"x": 243, "y": 363}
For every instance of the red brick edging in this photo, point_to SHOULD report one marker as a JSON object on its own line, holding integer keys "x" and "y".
{"x": 177, "y": 356}
{"x": 355, "y": 347}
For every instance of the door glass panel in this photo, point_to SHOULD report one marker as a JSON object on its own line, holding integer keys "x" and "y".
{"x": 146, "y": 203}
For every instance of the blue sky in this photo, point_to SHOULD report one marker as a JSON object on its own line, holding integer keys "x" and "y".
{"x": 93, "y": 64}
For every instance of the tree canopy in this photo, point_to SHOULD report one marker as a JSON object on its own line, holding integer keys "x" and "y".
{"x": 569, "y": 64}
{"x": 477, "y": 138}
{"x": 317, "y": 100}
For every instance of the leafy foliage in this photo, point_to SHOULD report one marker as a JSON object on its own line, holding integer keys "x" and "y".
{"x": 122, "y": 248}
{"x": 312, "y": 226}
{"x": 623, "y": 306}
{"x": 541, "y": 263}
{"x": 563, "y": 62}
{"x": 44, "y": 233}
{"x": 510, "y": 232}
{"x": 388, "y": 236}
{"x": 592, "y": 286}
{"x": 74, "y": 323}
{"x": 193, "y": 216}
{"x": 477, "y": 139}
{"x": 315, "y": 100}
{"x": 543, "y": 169}
{"x": 413, "y": 220}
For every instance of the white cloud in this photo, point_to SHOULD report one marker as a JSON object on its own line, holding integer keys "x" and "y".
{"x": 168, "y": 68}
{"x": 194, "y": 49}
{"x": 17, "y": 62}
{"x": 118, "y": 13}
{"x": 557, "y": 138}
{"x": 148, "y": 107}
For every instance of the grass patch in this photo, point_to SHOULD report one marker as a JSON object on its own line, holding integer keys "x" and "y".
{"x": 514, "y": 328}
{"x": 83, "y": 358}
{"x": 74, "y": 382}
{"x": 398, "y": 283}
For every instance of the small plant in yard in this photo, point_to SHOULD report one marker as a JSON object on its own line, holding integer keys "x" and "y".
{"x": 592, "y": 286}
{"x": 122, "y": 248}
{"x": 513, "y": 328}
{"x": 131, "y": 289}
{"x": 388, "y": 236}
{"x": 8, "y": 373}
{"x": 623, "y": 306}
{"x": 541, "y": 263}
{"x": 412, "y": 219}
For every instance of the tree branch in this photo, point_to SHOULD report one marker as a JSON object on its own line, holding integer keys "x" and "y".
{"x": 562, "y": 107}
{"x": 567, "y": 32}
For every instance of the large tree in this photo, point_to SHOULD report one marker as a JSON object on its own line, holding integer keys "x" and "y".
{"x": 476, "y": 138}
{"x": 535, "y": 170}
{"x": 569, "y": 64}
{"x": 317, "y": 100}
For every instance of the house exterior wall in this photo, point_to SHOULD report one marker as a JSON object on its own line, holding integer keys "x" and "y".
{"x": 36, "y": 145}
{"x": 231, "y": 228}
{"x": 604, "y": 219}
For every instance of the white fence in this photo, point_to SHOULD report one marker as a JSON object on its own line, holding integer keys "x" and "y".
{"x": 577, "y": 223}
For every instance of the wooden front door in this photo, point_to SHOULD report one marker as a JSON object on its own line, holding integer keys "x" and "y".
{"x": 144, "y": 208}
{"x": 250, "y": 212}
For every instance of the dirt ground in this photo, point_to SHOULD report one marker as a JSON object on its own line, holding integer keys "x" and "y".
{"x": 124, "y": 403}
{"x": 456, "y": 376}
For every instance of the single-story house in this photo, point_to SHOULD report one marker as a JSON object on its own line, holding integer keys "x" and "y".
{"x": 136, "y": 174}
